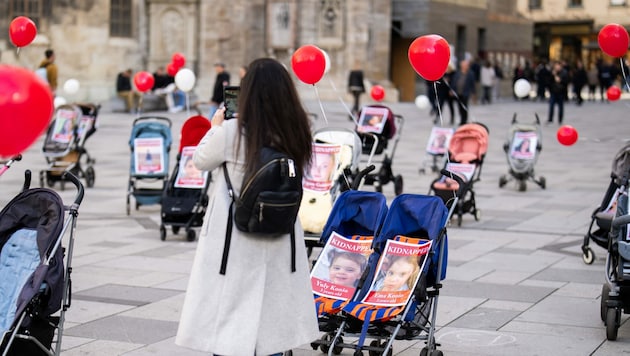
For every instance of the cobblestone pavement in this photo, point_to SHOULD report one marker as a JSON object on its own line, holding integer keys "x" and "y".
{"x": 515, "y": 285}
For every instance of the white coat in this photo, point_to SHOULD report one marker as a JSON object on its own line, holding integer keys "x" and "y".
{"x": 258, "y": 306}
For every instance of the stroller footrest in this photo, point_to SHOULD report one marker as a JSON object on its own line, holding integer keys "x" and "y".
{"x": 624, "y": 249}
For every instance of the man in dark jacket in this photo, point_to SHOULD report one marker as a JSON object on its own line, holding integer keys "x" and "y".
{"x": 463, "y": 83}
{"x": 557, "y": 91}
{"x": 222, "y": 80}
{"x": 126, "y": 92}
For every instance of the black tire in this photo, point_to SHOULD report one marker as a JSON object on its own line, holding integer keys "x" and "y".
{"x": 337, "y": 349}
{"x": 522, "y": 186}
{"x": 358, "y": 353}
{"x": 162, "y": 233}
{"x": 604, "y": 300}
{"x": 374, "y": 343}
{"x": 398, "y": 185}
{"x": 543, "y": 182}
{"x": 324, "y": 347}
{"x": 459, "y": 219}
{"x": 437, "y": 353}
{"x": 477, "y": 214}
{"x": 128, "y": 206}
{"x": 502, "y": 181}
{"x": 390, "y": 352}
{"x": 612, "y": 316}
{"x": 90, "y": 177}
{"x": 175, "y": 229}
{"x": 190, "y": 235}
{"x": 588, "y": 256}
{"x": 424, "y": 351}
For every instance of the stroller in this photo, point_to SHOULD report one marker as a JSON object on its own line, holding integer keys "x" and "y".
{"x": 184, "y": 199}
{"x": 615, "y": 291}
{"x": 354, "y": 220}
{"x": 377, "y": 126}
{"x": 411, "y": 242}
{"x": 602, "y": 216}
{"x": 522, "y": 148}
{"x": 35, "y": 270}
{"x": 336, "y": 154}
{"x": 436, "y": 148}
{"x": 64, "y": 145}
{"x": 150, "y": 144}
{"x": 466, "y": 152}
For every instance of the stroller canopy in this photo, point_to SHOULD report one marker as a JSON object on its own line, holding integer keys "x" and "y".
{"x": 621, "y": 164}
{"x": 469, "y": 143}
{"x": 193, "y": 131}
{"x": 356, "y": 213}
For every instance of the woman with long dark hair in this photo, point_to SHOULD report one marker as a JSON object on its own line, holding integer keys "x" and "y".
{"x": 259, "y": 306}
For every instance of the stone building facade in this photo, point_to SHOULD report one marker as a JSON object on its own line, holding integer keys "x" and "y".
{"x": 96, "y": 39}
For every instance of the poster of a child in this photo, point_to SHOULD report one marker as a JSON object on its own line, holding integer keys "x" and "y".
{"x": 323, "y": 166}
{"x": 188, "y": 175}
{"x": 148, "y": 156}
{"x": 64, "y": 126}
{"x": 524, "y": 145}
{"x": 372, "y": 120}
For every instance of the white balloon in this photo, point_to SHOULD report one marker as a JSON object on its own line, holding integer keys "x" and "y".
{"x": 71, "y": 86}
{"x": 327, "y": 59}
{"x": 59, "y": 100}
{"x": 522, "y": 88}
{"x": 423, "y": 102}
{"x": 185, "y": 79}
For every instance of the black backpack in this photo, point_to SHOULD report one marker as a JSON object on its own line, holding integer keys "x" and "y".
{"x": 269, "y": 201}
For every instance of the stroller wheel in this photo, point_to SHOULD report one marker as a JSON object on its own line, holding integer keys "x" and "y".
{"x": 522, "y": 186}
{"x": 89, "y": 177}
{"x": 459, "y": 220}
{"x": 162, "y": 233}
{"x": 612, "y": 323}
{"x": 398, "y": 184}
{"x": 337, "y": 349}
{"x": 437, "y": 353}
{"x": 604, "y": 301}
{"x": 175, "y": 229}
{"x": 190, "y": 235}
{"x": 502, "y": 181}
{"x": 588, "y": 256}
{"x": 288, "y": 353}
{"x": 542, "y": 182}
{"x": 477, "y": 214}
{"x": 358, "y": 353}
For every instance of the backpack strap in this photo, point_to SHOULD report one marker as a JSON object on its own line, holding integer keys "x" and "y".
{"x": 228, "y": 229}
{"x": 230, "y": 222}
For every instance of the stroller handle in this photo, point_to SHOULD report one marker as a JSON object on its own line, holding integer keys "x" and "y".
{"x": 621, "y": 220}
{"x": 155, "y": 118}
{"x": 77, "y": 183}
{"x": 357, "y": 181}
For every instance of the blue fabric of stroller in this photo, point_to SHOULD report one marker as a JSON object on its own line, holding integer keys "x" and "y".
{"x": 356, "y": 213}
{"x": 40, "y": 210}
{"x": 18, "y": 260}
{"x": 151, "y": 129}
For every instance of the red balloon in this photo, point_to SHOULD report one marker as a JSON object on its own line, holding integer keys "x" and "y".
{"x": 377, "y": 93}
{"x": 309, "y": 64}
{"x": 26, "y": 106}
{"x": 613, "y": 40}
{"x": 144, "y": 81}
{"x": 22, "y": 31}
{"x": 567, "y": 135}
{"x": 171, "y": 69}
{"x": 429, "y": 56}
{"x": 613, "y": 93}
{"x": 178, "y": 60}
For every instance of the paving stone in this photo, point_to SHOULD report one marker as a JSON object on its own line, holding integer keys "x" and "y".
{"x": 484, "y": 319}
{"x": 126, "y": 329}
{"x": 495, "y": 291}
{"x": 127, "y": 295}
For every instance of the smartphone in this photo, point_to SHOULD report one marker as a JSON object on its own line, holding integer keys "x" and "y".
{"x": 230, "y": 101}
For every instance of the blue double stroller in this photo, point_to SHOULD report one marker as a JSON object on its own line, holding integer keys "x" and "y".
{"x": 150, "y": 144}
{"x": 417, "y": 222}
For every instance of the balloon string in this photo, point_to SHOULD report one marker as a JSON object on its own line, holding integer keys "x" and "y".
{"x": 623, "y": 74}
{"x": 321, "y": 106}
{"x": 343, "y": 102}
{"x": 187, "y": 105}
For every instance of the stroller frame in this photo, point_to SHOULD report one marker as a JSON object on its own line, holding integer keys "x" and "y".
{"x": 75, "y": 158}
{"x": 33, "y": 309}
{"x": 517, "y": 173}
{"x": 422, "y": 327}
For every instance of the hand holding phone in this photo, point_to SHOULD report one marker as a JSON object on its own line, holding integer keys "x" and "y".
{"x": 230, "y": 100}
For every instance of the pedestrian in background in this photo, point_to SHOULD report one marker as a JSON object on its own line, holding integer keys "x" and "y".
{"x": 51, "y": 69}
{"x": 487, "y": 78}
{"x": 221, "y": 81}
{"x": 463, "y": 84}
{"x": 579, "y": 80}
{"x": 557, "y": 91}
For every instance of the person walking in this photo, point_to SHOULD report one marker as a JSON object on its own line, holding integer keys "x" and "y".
{"x": 487, "y": 78}
{"x": 221, "y": 81}
{"x": 557, "y": 91}
{"x": 126, "y": 92}
{"x": 579, "y": 80}
{"x": 259, "y": 306}
{"x": 51, "y": 69}
{"x": 463, "y": 83}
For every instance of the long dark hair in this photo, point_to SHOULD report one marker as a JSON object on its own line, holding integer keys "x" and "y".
{"x": 271, "y": 114}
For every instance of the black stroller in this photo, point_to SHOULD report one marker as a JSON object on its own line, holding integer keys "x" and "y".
{"x": 185, "y": 197}
{"x": 34, "y": 259}
{"x": 616, "y": 290}
{"x": 377, "y": 126}
{"x": 602, "y": 216}
{"x": 64, "y": 146}
{"x": 522, "y": 148}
